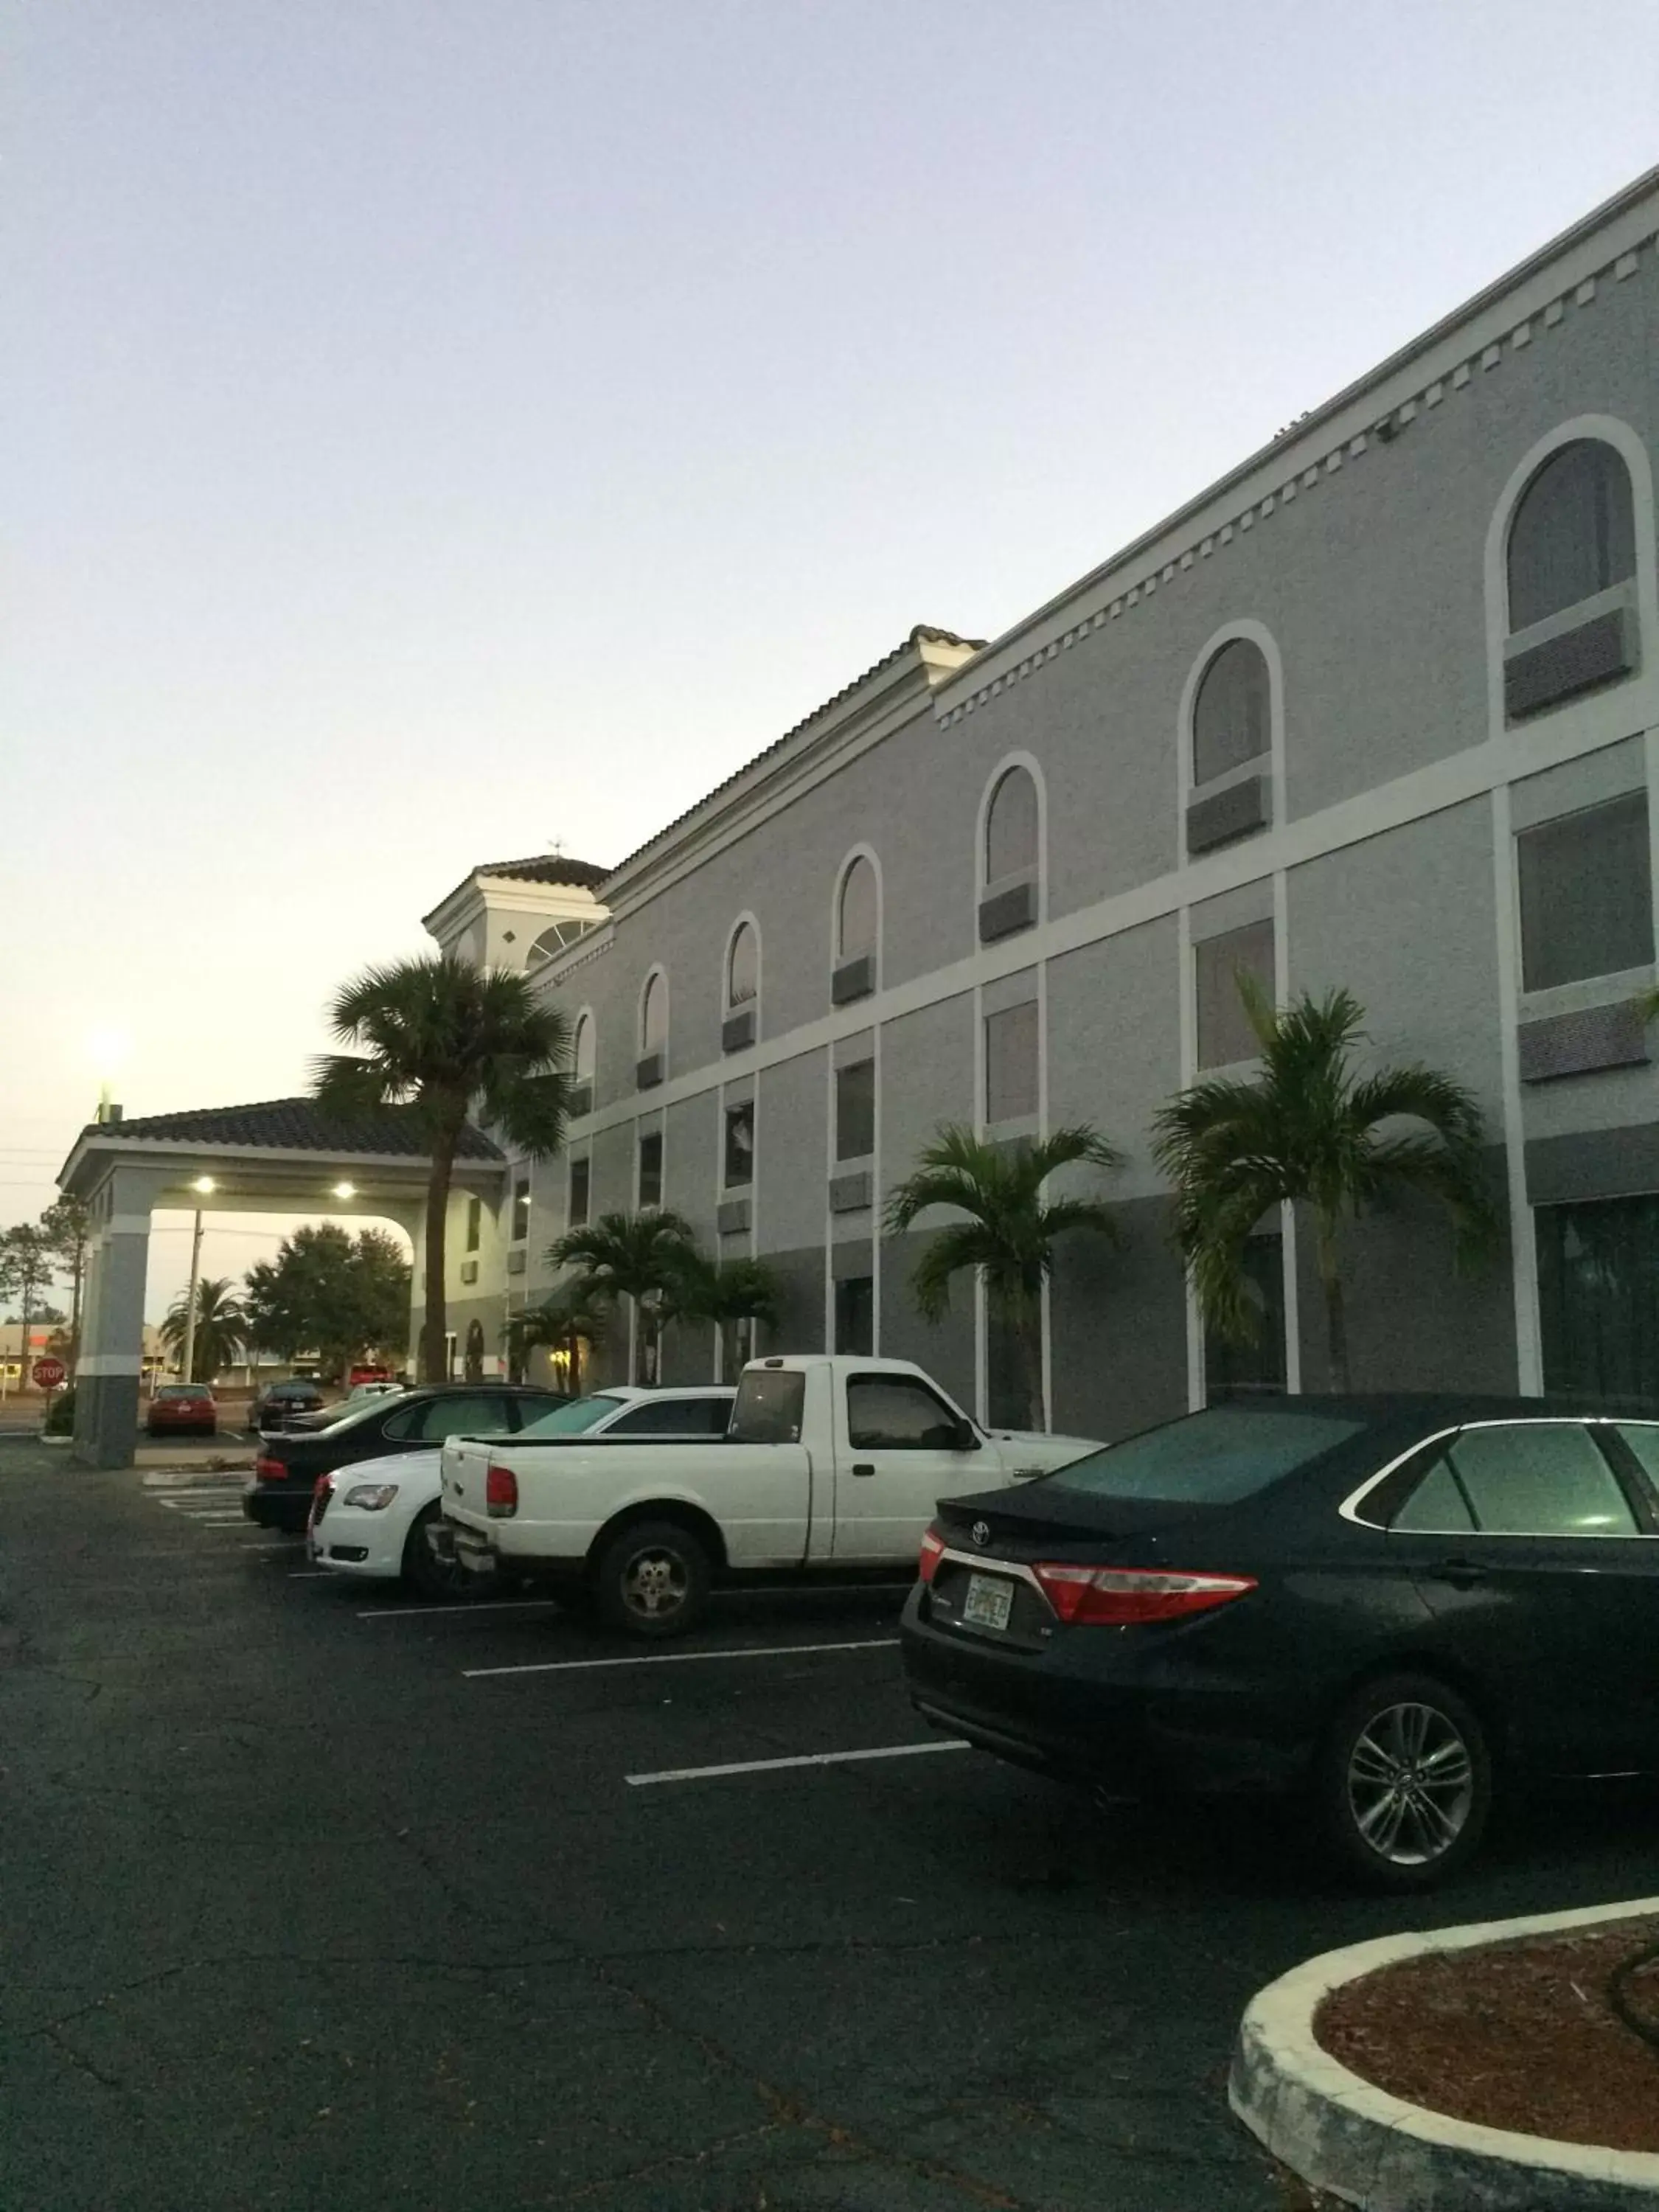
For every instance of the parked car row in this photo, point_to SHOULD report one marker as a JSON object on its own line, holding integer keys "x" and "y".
{"x": 1386, "y": 1607}
{"x": 383, "y": 1513}
{"x": 828, "y": 1464}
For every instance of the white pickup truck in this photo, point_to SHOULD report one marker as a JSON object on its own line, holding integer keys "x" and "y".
{"x": 827, "y": 1463}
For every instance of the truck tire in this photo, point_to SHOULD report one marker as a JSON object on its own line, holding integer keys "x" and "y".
{"x": 651, "y": 1579}
{"x": 436, "y": 1578}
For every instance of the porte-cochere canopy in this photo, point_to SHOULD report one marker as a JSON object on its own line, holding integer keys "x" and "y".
{"x": 280, "y": 1156}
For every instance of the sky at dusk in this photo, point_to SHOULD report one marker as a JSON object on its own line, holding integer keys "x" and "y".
{"x": 435, "y": 430}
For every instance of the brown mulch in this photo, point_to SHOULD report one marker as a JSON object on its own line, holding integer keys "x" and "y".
{"x": 1516, "y": 2035}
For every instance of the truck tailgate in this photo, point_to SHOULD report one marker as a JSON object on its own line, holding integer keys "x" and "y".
{"x": 466, "y": 1463}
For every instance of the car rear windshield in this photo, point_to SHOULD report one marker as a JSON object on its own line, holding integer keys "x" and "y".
{"x": 1206, "y": 1458}
{"x": 353, "y": 1416}
{"x": 182, "y": 1390}
{"x": 571, "y": 1419}
{"x": 769, "y": 1407}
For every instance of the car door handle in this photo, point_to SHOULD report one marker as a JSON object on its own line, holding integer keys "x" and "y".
{"x": 1461, "y": 1574}
{"x": 864, "y": 1467}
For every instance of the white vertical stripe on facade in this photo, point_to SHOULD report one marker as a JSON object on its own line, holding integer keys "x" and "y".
{"x": 875, "y": 1196}
{"x": 1529, "y": 1366}
{"x": 1042, "y": 1132}
{"x": 981, "y": 1333}
{"x": 829, "y": 1165}
{"x": 1189, "y": 1002}
{"x": 1286, "y": 1212}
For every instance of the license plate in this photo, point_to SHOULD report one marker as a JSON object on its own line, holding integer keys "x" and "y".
{"x": 989, "y": 1601}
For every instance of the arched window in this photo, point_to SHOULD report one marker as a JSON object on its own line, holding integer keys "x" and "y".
{"x": 654, "y": 1014}
{"x": 1572, "y": 533}
{"x": 554, "y": 939}
{"x": 583, "y": 1052}
{"x": 856, "y": 912}
{"x": 1232, "y": 713}
{"x": 742, "y": 967}
{"x": 1010, "y": 827}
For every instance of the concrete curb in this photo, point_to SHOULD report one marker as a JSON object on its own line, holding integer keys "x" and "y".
{"x": 1340, "y": 2135}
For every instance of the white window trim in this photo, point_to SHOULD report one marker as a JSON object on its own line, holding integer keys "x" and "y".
{"x": 728, "y": 1005}
{"x": 1252, "y": 632}
{"x": 984, "y": 883}
{"x": 1609, "y": 430}
{"x": 584, "y": 1152}
{"x": 837, "y": 955}
{"x": 655, "y": 974}
{"x": 649, "y": 1125}
{"x": 585, "y": 1014}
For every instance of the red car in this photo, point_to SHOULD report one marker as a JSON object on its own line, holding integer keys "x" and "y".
{"x": 180, "y": 1407}
{"x": 367, "y": 1374}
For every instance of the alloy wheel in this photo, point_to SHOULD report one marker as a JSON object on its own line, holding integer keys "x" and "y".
{"x": 1410, "y": 1784}
{"x": 655, "y": 1584}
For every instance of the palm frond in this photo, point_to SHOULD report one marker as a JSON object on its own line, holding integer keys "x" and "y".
{"x": 1422, "y": 1094}
{"x": 351, "y": 1088}
{"x": 640, "y": 1255}
{"x": 1004, "y": 1229}
{"x": 1309, "y": 1131}
{"x": 962, "y": 1247}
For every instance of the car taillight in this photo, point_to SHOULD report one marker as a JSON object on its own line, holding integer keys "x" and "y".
{"x": 500, "y": 1493}
{"x": 933, "y": 1550}
{"x": 271, "y": 1469}
{"x": 1123, "y": 1597}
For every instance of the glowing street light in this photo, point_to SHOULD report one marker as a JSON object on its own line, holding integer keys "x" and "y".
{"x": 107, "y": 1050}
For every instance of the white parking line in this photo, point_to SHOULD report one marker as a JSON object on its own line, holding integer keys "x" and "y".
{"x": 809, "y": 1759}
{"x": 679, "y": 1658}
{"x": 309, "y": 1575}
{"x": 552, "y": 1604}
{"x": 461, "y": 1612}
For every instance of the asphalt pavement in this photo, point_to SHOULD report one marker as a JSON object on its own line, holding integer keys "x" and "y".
{"x": 313, "y": 1897}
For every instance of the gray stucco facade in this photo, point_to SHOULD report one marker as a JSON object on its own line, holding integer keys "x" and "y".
{"x": 1362, "y": 557}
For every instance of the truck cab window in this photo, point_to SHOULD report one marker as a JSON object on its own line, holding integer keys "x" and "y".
{"x": 769, "y": 1406}
{"x": 887, "y": 1413}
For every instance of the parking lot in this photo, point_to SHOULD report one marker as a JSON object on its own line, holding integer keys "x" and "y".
{"x": 310, "y": 1895}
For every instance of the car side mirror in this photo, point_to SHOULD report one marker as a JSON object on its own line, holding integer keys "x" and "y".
{"x": 965, "y": 1437}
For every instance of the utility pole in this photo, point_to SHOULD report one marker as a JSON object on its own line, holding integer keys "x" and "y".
{"x": 189, "y": 1374}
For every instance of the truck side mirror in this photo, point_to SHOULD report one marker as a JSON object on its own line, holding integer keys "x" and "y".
{"x": 965, "y": 1437}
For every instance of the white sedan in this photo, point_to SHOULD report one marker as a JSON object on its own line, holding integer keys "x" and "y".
{"x": 377, "y": 1517}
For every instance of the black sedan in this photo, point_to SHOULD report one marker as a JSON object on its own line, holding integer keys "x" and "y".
{"x": 1383, "y": 1603}
{"x": 280, "y": 1404}
{"x": 287, "y": 1470}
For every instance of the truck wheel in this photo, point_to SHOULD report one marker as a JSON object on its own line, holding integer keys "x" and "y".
{"x": 651, "y": 1579}
{"x": 434, "y": 1577}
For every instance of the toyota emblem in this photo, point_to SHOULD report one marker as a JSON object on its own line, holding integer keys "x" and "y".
{"x": 980, "y": 1533}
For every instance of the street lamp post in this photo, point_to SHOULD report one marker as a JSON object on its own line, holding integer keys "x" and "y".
{"x": 205, "y": 1184}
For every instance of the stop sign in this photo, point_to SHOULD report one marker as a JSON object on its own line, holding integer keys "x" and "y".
{"x": 47, "y": 1373}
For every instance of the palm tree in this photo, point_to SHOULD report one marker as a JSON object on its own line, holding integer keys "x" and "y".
{"x": 1309, "y": 1132}
{"x": 648, "y": 1257}
{"x": 728, "y": 1292}
{"x": 436, "y": 1034}
{"x": 220, "y": 1328}
{"x": 565, "y": 1320}
{"x": 1009, "y": 1231}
